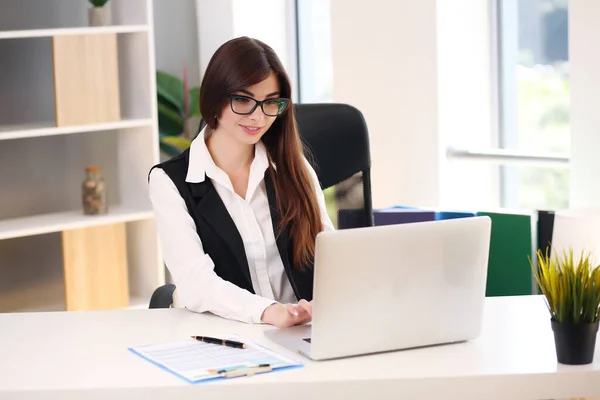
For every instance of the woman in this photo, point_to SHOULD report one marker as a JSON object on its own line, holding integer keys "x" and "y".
{"x": 237, "y": 213}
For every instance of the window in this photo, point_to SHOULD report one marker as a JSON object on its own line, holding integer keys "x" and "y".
{"x": 533, "y": 71}
{"x": 526, "y": 164}
{"x": 314, "y": 49}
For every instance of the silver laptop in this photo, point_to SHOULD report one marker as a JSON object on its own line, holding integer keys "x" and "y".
{"x": 394, "y": 287}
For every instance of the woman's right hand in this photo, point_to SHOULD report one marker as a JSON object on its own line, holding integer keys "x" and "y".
{"x": 284, "y": 315}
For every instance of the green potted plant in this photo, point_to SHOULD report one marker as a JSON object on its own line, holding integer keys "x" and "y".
{"x": 178, "y": 112}
{"x": 571, "y": 287}
{"x": 99, "y": 13}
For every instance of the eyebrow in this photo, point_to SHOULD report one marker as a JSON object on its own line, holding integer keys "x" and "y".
{"x": 252, "y": 94}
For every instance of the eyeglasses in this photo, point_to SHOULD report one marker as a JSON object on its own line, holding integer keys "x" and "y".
{"x": 244, "y": 105}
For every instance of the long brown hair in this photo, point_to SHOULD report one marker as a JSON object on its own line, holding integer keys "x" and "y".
{"x": 244, "y": 62}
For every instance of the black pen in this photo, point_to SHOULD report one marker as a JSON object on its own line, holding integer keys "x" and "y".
{"x": 224, "y": 342}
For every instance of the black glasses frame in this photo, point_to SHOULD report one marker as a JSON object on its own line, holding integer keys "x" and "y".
{"x": 257, "y": 103}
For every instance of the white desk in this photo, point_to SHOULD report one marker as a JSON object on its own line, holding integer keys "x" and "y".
{"x": 83, "y": 355}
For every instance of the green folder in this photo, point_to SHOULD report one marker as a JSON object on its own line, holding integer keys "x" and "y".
{"x": 511, "y": 243}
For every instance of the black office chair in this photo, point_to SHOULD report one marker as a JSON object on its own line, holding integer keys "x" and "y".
{"x": 336, "y": 141}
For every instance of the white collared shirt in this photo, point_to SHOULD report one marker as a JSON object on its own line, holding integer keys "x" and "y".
{"x": 199, "y": 288}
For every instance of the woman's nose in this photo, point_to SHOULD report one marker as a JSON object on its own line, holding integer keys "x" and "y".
{"x": 257, "y": 114}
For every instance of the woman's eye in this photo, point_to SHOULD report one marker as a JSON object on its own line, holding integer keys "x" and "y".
{"x": 241, "y": 100}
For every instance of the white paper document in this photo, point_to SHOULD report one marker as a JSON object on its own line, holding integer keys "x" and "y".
{"x": 197, "y": 361}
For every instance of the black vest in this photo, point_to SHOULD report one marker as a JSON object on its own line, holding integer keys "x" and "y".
{"x": 220, "y": 238}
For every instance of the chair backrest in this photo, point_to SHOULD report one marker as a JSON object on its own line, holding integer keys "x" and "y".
{"x": 336, "y": 141}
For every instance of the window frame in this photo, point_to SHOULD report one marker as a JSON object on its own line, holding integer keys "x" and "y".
{"x": 504, "y": 57}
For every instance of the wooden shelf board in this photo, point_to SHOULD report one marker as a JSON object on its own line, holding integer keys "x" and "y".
{"x": 32, "y": 33}
{"x": 56, "y": 222}
{"x": 138, "y": 303}
{"x": 50, "y": 129}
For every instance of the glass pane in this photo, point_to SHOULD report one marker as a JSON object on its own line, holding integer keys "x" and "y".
{"x": 534, "y": 71}
{"x": 534, "y": 99}
{"x": 314, "y": 51}
{"x": 536, "y": 188}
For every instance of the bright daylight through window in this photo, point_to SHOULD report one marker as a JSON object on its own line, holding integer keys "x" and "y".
{"x": 534, "y": 99}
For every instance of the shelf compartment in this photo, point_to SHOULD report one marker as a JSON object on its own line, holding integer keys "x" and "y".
{"x": 43, "y": 177}
{"x": 29, "y": 15}
{"x": 33, "y": 272}
{"x": 30, "y": 64}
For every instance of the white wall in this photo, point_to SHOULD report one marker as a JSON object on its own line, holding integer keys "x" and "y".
{"x": 467, "y": 102}
{"x": 267, "y": 20}
{"x": 270, "y": 22}
{"x": 176, "y": 38}
{"x": 215, "y": 26}
{"x": 584, "y": 32}
{"x": 419, "y": 71}
{"x": 384, "y": 63}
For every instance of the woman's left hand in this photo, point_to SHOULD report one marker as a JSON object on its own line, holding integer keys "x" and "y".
{"x": 307, "y": 306}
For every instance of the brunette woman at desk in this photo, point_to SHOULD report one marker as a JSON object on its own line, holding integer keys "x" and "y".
{"x": 238, "y": 212}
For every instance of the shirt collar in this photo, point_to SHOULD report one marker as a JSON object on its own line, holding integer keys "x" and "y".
{"x": 202, "y": 165}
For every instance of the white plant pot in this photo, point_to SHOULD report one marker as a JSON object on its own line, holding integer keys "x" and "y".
{"x": 100, "y": 16}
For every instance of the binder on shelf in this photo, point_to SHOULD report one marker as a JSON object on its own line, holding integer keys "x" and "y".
{"x": 404, "y": 214}
{"x": 442, "y": 215}
{"x": 511, "y": 245}
{"x": 545, "y": 226}
{"x": 392, "y": 216}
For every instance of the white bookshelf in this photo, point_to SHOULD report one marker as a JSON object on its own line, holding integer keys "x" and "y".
{"x": 42, "y": 165}
{"x": 20, "y": 131}
{"x": 58, "y": 222}
{"x": 37, "y": 33}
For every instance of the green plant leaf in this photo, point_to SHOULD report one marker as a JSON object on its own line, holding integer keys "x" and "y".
{"x": 571, "y": 286}
{"x": 170, "y": 87}
{"x": 169, "y": 150}
{"x": 98, "y": 3}
{"x": 179, "y": 142}
{"x": 170, "y": 104}
{"x": 161, "y": 100}
{"x": 194, "y": 94}
{"x": 170, "y": 114}
{"x": 173, "y": 145}
{"x": 169, "y": 122}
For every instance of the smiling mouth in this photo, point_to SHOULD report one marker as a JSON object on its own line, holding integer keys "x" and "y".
{"x": 251, "y": 130}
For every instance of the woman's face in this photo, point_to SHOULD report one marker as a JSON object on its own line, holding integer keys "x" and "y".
{"x": 249, "y": 129}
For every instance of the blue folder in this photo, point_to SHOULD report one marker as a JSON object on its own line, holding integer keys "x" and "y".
{"x": 393, "y": 216}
